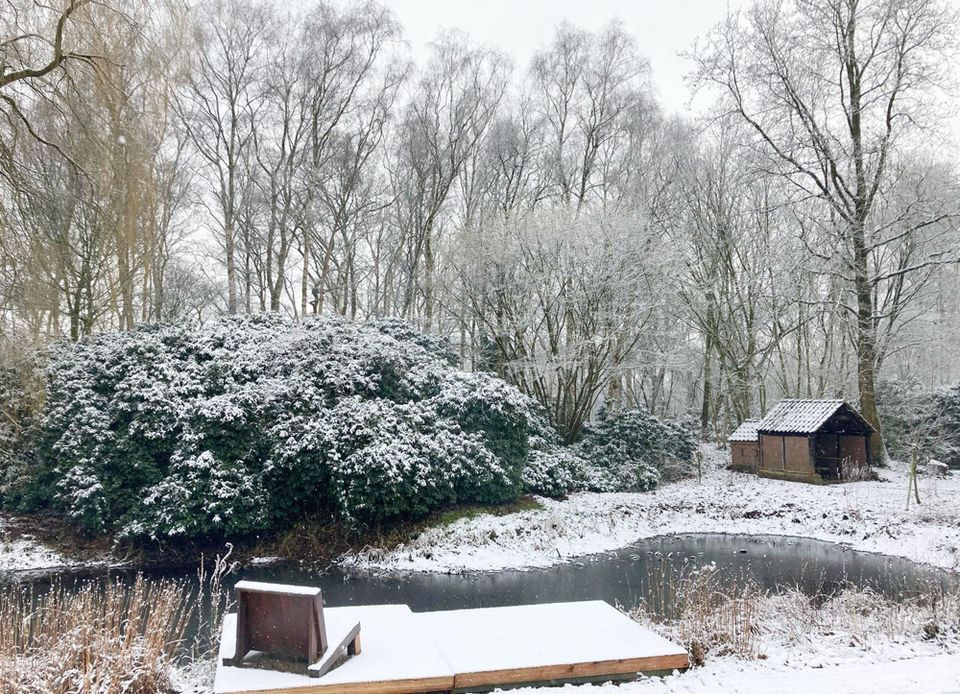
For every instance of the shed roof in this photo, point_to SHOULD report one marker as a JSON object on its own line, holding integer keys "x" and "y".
{"x": 747, "y": 431}
{"x": 803, "y": 416}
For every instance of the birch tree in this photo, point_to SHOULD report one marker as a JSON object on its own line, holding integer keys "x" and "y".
{"x": 450, "y": 109}
{"x": 218, "y": 108}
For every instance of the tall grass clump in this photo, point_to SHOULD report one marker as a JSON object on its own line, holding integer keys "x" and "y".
{"x": 713, "y": 615}
{"x": 706, "y": 612}
{"x": 102, "y": 637}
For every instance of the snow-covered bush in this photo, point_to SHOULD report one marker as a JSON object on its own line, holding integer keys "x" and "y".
{"x": 555, "y": 472}
{"x": 253, "y": 421}
{"x": 901, "y": 404}
{"x": 925, "y": 418}
{"x": 946, "y": 425}
{"x": 630, "y": 450}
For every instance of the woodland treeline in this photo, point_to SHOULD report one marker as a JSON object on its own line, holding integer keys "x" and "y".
{"x": 164, "y": 162}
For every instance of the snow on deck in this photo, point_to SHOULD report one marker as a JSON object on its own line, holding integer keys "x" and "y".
{"x": 434, "y": 651}
{"x": 868, "y": 516}
{"x": 382, "y": 629}
{"x": 533, "y": 643}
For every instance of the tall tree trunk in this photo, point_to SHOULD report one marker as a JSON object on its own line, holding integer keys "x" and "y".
{"x": 429, "y": 262}
{"x": 866, "y": 342}
{"x": 229, "y": 248}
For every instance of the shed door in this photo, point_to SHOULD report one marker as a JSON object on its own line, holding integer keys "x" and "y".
{"x": 772, "y": 451}
{"x": 854, "y": 448}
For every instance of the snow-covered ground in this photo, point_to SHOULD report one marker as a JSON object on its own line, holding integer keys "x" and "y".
{"x": 867, "y": 516}
{"x": 23, "y": 553}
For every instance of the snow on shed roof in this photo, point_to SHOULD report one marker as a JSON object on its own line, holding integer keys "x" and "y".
{"x": 747, "y": 431}
{"x": 802, "y": 416}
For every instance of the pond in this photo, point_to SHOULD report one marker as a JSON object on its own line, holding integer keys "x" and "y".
{"x": 624, "y": 578}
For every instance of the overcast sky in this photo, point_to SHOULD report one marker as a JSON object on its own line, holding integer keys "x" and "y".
{"x": 662, "y": 28}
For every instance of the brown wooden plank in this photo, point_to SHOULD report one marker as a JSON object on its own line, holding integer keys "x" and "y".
{"x": 569, "y": 671}
{"x": 412, "y": 686}
{"x": 335, "y": 652}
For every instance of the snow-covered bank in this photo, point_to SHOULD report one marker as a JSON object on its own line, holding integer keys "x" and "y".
{"x": 24, "y": 553}
{"x": 867, "y": 516}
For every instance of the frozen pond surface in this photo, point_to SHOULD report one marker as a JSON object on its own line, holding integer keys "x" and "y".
{"x": 624, "y": 578}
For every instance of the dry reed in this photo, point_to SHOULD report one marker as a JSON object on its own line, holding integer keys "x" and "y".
{"x": 704, "y": 611}
{"x": 102, "y": 637}
{"x": 220, "y": 602}
{"x": 714, "y": 616}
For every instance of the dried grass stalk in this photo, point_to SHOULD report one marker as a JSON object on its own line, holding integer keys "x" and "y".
{"x": 99, "y": 638}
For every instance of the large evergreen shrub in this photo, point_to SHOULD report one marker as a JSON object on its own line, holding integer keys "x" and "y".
{"x": 625, "y": 450}
{"x": 254, "y": 421}
{"x": 921, "y": 417}
{"x": 631, "y": 450}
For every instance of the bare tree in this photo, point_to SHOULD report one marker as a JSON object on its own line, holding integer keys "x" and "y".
{"x": 589, "y": 86}
{"x": 832, "y": 89}
{"x": 353, "y": 77}
{"x": 36, "y": 42}
{"x": 452, "y": 105}
{"x": 734, "y": 232}
{"x": 562, "y": 300}
{"x": 219, "y": 105}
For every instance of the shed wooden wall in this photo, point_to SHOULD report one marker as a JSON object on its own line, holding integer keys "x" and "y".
{"x": 744, "y": 455}
{"x": 786, "y": 456}
{"x": 771, "y": 452}
{"x": 855, "y": 448}
{"x": 797, "y": 460}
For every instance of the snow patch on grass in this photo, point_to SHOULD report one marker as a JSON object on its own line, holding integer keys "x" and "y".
{"x": 868, "y": 516}
{"x": 26, "y": 554}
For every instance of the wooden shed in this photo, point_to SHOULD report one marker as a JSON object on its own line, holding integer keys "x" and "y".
{"x": 744, "y": 449}
{"x": 813, "y": 441}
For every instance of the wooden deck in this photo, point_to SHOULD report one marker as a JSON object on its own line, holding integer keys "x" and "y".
{"x": 463, "y": 650}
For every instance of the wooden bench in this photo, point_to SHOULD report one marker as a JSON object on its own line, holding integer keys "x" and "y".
{"x": 284, "y": 626}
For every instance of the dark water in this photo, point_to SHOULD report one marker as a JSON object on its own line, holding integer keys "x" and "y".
{"x": 628, "y": 576}
{"x": 623, "y": 577}
{"x": 641, "y": 573}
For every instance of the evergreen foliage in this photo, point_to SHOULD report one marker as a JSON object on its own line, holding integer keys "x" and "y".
{"x": 253, "y": 421}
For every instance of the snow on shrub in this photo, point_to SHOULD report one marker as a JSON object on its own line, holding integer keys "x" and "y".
{"x": 555, "y": 473}
{"x": 253, "y": 421}
{"x": 630, "y": 450}
{"x": 22, "y": 396}
{"x": 921, "y": 417}
{"x": 945, "y": 426}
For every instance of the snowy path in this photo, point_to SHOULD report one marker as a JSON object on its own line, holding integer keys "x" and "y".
{"x": 927, "y": 675}
{"x": 867, "y": 516}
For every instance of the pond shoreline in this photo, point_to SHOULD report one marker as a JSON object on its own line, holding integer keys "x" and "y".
{"x": 547, "y": 532}
{"x": 865, "y": 516}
